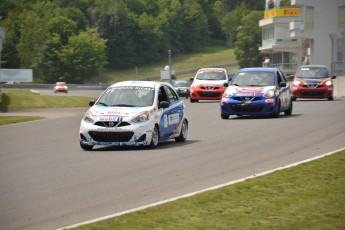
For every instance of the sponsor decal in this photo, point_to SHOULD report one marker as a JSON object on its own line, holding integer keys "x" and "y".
{"x": 110, "y": 118}
{"x": 174, "y": 118}
{"x": 165, "y": 120}
{"x": 250, "y": 90}
{"x": 134, "y": 87}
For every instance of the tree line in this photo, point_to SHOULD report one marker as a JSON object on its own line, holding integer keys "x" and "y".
{"x": 64, "y": 40}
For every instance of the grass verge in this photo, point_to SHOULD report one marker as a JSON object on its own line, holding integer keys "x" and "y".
{"x": 307, "y": 196}
{"x": 5, "y": 120}
{"x": 24, "y": 98}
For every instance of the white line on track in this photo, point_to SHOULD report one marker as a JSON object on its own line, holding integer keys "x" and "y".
{"x": 200, "y": 191}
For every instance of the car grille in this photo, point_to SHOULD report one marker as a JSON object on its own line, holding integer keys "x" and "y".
{"x": 111, "y": 136}
{"x": 111, "y": 123}
{"x": 313, "y": 92}
{"x": 247, "y": 98}
{"x": 248, "y": 108}
{"x": 211, "y": 87}
{"x": 209, "y": 94}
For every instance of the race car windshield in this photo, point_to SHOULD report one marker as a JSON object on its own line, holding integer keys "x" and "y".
{"x": 253, "y": 79}
{"x": 216, "y": 76}
{"x": 127, "y": 96}
{"x": 312, "y": 72}
{"x": 181, "y": 84}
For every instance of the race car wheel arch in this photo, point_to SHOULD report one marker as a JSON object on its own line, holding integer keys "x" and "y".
{"x": 184, "y": 132}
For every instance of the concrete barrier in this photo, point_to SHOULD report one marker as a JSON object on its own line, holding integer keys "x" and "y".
{"x": 339, "y": 87}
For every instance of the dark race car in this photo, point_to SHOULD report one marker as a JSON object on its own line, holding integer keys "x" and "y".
{"x": 182, "y": 88}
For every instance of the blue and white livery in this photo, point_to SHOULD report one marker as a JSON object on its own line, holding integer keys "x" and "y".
{"x": 134, "y": 113}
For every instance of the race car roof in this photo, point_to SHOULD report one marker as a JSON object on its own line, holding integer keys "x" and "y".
{"x": 136, "y": 83}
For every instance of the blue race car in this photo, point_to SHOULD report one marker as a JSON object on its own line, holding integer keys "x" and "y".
{"x": 257, "y": 91}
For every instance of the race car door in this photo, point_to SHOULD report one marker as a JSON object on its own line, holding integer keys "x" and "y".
{"x": 284, "y": 91}
{"x": 170, "y": 118}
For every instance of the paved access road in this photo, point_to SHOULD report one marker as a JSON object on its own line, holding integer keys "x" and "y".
{"x": 47, "y": 181}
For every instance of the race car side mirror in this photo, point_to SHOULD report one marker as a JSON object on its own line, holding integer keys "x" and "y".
{"x": 282, "y": 84}
{"x": 91, "y": 103}
{"x": 226, "y": 84}
{"x": 163, "y": 104}
{"x": 334, "y": 77}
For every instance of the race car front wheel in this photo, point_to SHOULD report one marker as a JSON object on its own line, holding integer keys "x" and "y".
{"x": 223, "y": 116}
{"x": 154, "y": 138}
{"x": 85, "y": 146}
{"x": 184, "y": 132}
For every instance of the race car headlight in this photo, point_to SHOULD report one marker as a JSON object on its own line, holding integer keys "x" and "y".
{"x": 195, "y": 85}
{"x": 296, "y": 82}
{"x": 88, "y": 117}
{"x": 144, "y": 116}
{"x": 269, "y": 93}
{"x": 328, "y": 83}
{"x": 227, "y": 94}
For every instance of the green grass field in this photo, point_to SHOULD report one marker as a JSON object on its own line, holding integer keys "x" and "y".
{"x": 209, "y": 56}
{"x": 24, "y": 98}
{"x": 307, "y": 196}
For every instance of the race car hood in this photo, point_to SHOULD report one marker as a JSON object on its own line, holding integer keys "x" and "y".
{"x": 99, "y": 110}
{"x": 249, "y": 90}
{"x": 312, "y": 82}
{"x": 210, "y": 82}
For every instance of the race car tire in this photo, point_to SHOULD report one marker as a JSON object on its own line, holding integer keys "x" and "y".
{"x": 184, "y": 132}
{"x": 154, "y": 138}
{"x": 193, "y": 100}
{"x": 330, "y": 98}
{"x": 277, "y": 113}
{"x": 85, "y": 146}
{"x": 223, "y": 116}
{"x": 294, "y": 98}
{"x": 289, "y": 110}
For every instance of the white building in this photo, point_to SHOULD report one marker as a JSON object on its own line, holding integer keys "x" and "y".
{"x": 304, "y": 32}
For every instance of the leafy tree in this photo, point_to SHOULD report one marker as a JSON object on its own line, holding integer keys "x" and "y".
{"x": 77, "y": 16}
{"x": 171, "y": 25}
{"x": 229, "y": 5}
{"x": 118, "y": 26}
{"x": 213, "y": 20}
{"x": 150, "y": 36}
{"x": 63, "y": 27}
{"x": 32, "y": 36}
{"x": 231, "y": 21}
{"x": 49, "y": 63}
{"x": 84, "y": 56}
{"x": 248, "y": 41}
{"x": 195, "y": 32}
{"x": 9, "y": 56}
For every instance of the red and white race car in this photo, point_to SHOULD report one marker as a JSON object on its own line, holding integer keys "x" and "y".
{"x": 208, "y": 84}
{"x": 61, "y": 87}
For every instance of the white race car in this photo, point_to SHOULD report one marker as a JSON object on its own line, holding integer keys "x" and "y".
{"x": 134, "y": 113}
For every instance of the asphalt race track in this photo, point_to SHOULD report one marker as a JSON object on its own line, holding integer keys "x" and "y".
{"x": 47, "y": 181}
